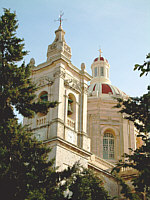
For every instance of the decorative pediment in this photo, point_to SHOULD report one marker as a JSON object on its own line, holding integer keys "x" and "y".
{"x": 74, "y": 84}
{"x": 45, "y": 80}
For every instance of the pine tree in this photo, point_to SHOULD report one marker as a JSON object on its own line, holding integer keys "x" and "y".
{"x": 137, "y": 109}
{"x": 25, "y": 172}
{"x": 23, "y": 162}
{"x": 16, "y": 88}
{"x": 85, "y": 184}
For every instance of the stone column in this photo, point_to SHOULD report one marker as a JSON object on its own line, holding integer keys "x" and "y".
{"x": 83, "y": 139}
{"x": 57, "y": 126}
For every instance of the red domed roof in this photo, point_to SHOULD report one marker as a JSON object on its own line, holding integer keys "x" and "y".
{"x": 100, "y": 59}
{"x": 103, "y": 88}
{"x": 95, "y": 59}
{"x": 106, "y": 89}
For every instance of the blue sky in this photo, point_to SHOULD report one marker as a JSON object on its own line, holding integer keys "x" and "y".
{"x": 120, "y": 27}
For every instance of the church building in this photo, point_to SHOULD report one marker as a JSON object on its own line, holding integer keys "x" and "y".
{"x": 84, "y": 127}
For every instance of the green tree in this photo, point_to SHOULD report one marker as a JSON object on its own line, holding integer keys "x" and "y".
{"x": 25, "y": 172}
{"x": 23, "y": 162}
{"x": 145, "y": 67}
{"x": 16, "y": 88}
{"x": 138, "y": 110}
{"x": 84, "y": 184}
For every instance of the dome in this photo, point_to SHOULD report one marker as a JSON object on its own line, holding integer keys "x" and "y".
{"x": 103, "y": 89}
{"x": 100, "y": 85}
{"x": 100, "y": 59}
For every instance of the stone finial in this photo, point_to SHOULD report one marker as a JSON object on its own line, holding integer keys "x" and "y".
{"x": 32, "y": 62}
{"x": 83, "y": 67}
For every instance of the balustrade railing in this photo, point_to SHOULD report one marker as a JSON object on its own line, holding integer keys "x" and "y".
{"x": 41, "y": 121}
{"x": 70, "y": 123}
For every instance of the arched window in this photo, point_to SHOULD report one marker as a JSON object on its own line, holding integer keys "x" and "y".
{"x": 44, "y": 96}
{"x": 71, "y": 112}
{"x": 95, "y": 71}
{"x": 102, "y": 71}
{"x": 108, "y": 146}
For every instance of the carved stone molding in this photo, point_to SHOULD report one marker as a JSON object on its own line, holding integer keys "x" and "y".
{"x": 58, "y": 48}
{"x": 74, "y": 84}
{"x": 67, "y": 48}
{"x": 52, "y": 46}
{"x": 59, "y": 73}
{"x": 45, "y": 80}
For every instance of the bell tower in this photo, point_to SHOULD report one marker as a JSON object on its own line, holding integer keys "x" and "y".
{"x": 64, "y": 128}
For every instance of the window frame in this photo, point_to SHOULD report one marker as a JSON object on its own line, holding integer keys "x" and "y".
{"x": 102, "y": 71}
{"x": 95, "y": 72}
{"x": 108, "y": 146}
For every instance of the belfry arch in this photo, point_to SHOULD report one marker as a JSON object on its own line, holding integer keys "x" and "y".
{"x": 71, "y": 108}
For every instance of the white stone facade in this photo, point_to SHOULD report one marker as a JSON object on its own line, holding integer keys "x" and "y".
{"x": 75, "y": 129}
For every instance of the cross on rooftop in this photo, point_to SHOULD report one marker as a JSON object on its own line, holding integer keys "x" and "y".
{"x": 100, "y": 52}
{"x": 60, "y": 17}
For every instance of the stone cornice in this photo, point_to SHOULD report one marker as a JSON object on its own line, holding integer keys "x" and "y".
{"x": 101, "y": 163}
{"x": 96, "y": 168}
{"x": 80, "y": 72}
{"x": 49, "y": 62}
{"x": 67, "y": 145}
{"x": 84, "y": 74}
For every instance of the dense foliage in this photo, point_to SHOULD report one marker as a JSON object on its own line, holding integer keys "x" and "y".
{"x": 138, "y": 110}
{"x": 23, "y": 162}
{"x": 86, "y": 185}
{"x": 145, "y": 67}
{"x": 24, "y": 168}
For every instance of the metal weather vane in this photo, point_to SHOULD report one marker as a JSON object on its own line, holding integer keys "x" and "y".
{"x": 60, "y": 19}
